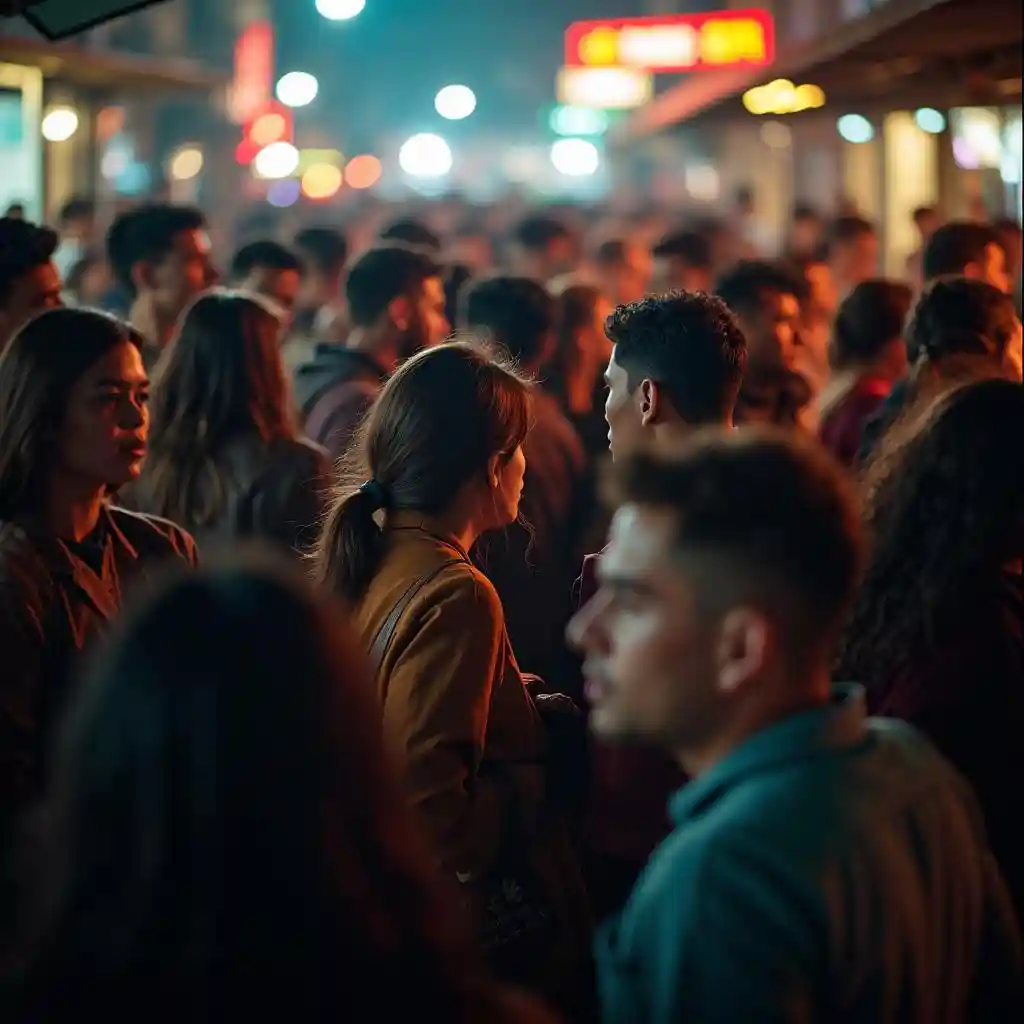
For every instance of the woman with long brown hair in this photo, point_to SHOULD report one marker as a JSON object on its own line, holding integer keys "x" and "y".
{"x": 225, "y": 842}
{"x": 226, "y": 460}
{"x": 439, "y": 463}
{"x": 73, "y": 425}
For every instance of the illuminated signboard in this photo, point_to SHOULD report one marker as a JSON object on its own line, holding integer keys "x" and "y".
{"x": 604, "y": 88}
{"x": 674, "y": 43}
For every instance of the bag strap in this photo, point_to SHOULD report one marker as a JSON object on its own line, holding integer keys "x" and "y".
{"x": 386, "y": 633}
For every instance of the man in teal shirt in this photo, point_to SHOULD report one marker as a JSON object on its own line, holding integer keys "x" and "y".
{"x": 824, "y": 867}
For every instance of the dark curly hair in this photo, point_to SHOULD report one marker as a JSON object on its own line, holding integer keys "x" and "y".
{"x": 687, "y": 342}
{"x": 944, "y": 508}
{"x": 870, "y": 318}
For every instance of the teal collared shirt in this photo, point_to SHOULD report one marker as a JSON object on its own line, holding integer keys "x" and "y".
{"x": 831, "y": 869}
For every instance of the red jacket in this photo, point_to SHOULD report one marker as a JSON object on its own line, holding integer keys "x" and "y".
{"x": 630, "y": 787}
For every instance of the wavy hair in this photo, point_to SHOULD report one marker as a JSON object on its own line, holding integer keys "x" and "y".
{"x": 220, "y": 380}
{"x": 944, "y": 508}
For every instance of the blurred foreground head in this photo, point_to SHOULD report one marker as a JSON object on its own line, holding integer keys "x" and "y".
{"x": 226, "y": 840}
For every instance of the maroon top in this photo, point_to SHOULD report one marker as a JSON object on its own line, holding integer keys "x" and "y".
{"x": 842, "y": 428}
{"x": 627, "y": 816}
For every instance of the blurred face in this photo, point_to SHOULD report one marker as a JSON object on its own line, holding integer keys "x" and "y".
{"x": 507, "y": 474}
{"x": 1014, "y": 358}
{"x": 281, "y": 287}
{"x": 857, "y": 260}
{"x": 183, "y": 274}
{"x": 429, "y": 326}
{"x": 621, "y": 412}
{"x": 824, "y": 296}
{"x": 32, "y": 293}
{"x": 561, "y": 256}
{"x": 773, "y": 332}
{"x": 670, "y": 273}
{"x": 103, "y": 437}
{"x": 649, "y": 659}
{"x": 993, "y": 268}
{"x": 631, "y": 280}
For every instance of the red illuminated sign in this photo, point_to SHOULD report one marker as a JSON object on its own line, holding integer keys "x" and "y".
{"x": 273, "y": 122}
{"x": 254, "y": 71}
{"x": 674, "y": 43}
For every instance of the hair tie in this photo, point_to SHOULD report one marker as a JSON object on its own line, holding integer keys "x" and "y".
{"x": 376, "y": 492}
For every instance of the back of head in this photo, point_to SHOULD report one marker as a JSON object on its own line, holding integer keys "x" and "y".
{"x": 870, "y": 318}
{"x": 762, "y": 517}
{"x": 412, "y": 232}
{"x": 955, "y": 246}
{"x": 324, "y": 250}
{"x": 77, "y": 208}
{"x": 959, "y": 316}
{"x": 535, "y": 233}
{"x": 147, "y": 235}
{"x": 611, "y": 253}
{"x": 172, "y": 811}
{"x": 690, "y": 345}
{"x": 23, "y": 247}
{"x": 38, "y": 369}
{"x": 221, "y": 379}
{"x": 263, "y": 255}
{"x": 744, "y": 287}
{"x": 516, "y": 312}
{"x": 849, "y": 229}
{"x": 381, "y": 275}
{"x": 689, "y": 247}
{"x": 952, "y": 474}
{"x": 437, "y": 422}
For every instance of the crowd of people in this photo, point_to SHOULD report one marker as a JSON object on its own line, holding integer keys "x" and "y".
{"x": 342, "y": 674}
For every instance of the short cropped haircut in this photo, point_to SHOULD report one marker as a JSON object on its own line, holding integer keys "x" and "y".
{"x": 773, "y": 511}
{"x": 23, "y": 247}
{"x": 689, "y": 247}
{"x": 688, "y": 343}
{"x": 146, "y": 235}
{"x": 76, "y": 208}
{"x": 611, "y": 253}
{"x": 956, "y": 245}
{"x": 746, "y": 285}
{"x": 412, "y": 232}
{"x": 267, "y": 255}
{"x": 323, "y": 249}
{"x": 383, "y": 274}
{"x": 536, "y": 232}
{"x": 845, "y": 230}
{"x": 870, "y": 318}
{"x": 518, "y": 312}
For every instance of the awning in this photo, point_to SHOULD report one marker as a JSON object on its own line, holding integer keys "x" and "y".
{"x": 106, "y": 70}
{"x": 930, "y": 51}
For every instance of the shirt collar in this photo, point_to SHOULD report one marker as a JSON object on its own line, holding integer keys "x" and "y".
{"x": 839, "y": 725}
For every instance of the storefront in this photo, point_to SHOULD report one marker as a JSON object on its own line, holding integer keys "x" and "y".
{"x": 60, "y": 107}
{"x": 887, "y": 129}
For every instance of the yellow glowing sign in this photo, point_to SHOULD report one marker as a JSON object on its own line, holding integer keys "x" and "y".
{"x": 674, "y": 43}
{"x": 783, "y": 97}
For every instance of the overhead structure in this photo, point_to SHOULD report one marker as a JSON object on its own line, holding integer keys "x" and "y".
{"x": 58, "y": 19}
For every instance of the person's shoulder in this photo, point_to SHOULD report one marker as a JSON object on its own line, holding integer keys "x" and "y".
{"x": 24, "y": 572}
{"x": 463, "y": 586}
{"x": 152, "y": 536}
{"x": 303, "y": 456}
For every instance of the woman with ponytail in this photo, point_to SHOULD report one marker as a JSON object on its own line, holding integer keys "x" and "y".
{"x": 439, "y": 463}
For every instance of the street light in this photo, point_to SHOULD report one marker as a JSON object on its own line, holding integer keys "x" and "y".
{"x": 575, "y": 158}
{"x": 455, "y": 102}
{"x": 297, "y": 89}
{"x": 425, "y": 156}
{"x": 59, "y": 124}
{"x": 340, "y": 10}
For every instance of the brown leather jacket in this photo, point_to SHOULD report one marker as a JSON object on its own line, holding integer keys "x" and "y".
{"x": 55, "y": 598}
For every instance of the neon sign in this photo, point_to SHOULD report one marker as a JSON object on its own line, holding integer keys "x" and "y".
{"x": 669, "y": 44}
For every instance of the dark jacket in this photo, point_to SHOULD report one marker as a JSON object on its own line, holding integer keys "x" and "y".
{"x": 55, "y": 598}
{"x": 630, "y": 786}
{"x": 842, "y": 428}
{"x": 780, "y": 399}
{"x": 882, "y": 419}
{"x": 276, "y": 492}
{"x": 334, "y": 391}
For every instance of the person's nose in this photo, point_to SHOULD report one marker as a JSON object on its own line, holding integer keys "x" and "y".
{"x": 583, "y": 626}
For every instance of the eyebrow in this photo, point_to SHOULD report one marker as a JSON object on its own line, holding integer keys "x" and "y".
{"x": 630, "y": 584}
{"x": 122, "y": 382}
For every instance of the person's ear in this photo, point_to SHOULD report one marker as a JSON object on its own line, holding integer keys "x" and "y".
{"x": 400, "y": 312}
{"x": 649, "y": 397}
{"x": 745, "y": 641}
{"x": 495, "y": 464}
{"x": 143, "y": 276}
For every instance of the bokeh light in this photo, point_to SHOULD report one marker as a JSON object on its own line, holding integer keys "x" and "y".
{"x": 855, "y": 128}
{"x": 455, "y": 102}
{"x": 340, "y": 10}
{"x": 284, "y": 193}
{"x": 578, "y": 121}
{"x": 186, "y": 164}
{"x": 425, "y": 156}
{"x": 575, "y": 158}
{"x": 297, "y": 89}
{"x": 277, "y": 160}
{"x": 363, "y": 171}
{"x": 321, "y": 181}
{"x": 930, "y": 120}
{"x": 60, "y": 124}
{"x": 268, "y": 128}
